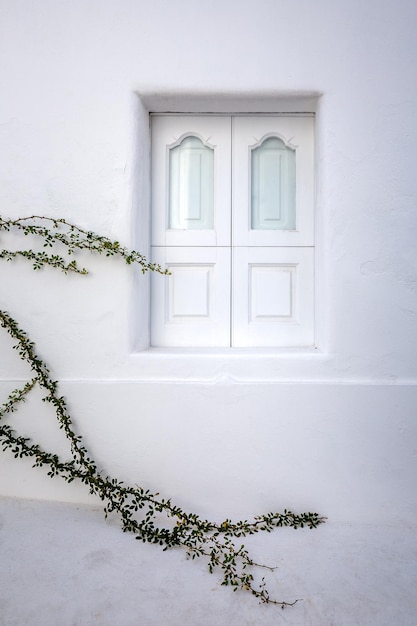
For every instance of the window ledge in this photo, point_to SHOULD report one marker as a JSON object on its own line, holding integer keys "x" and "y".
{"x": 230, "y": 353}
{"x": 226, "y": 365}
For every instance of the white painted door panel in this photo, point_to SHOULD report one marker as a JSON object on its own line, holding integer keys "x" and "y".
{"x": 250, "y": 133}
{"x": 191, "y": 307}
{"x": 273, "y": 298}
{"x": 186, "y": 185}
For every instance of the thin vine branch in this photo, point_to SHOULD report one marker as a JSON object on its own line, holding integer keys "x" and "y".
{"x": 58, "y": 231}
{"x": 139, "y": 510}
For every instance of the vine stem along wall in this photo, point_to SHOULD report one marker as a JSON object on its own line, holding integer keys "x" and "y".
{"x": 200, "y": 538}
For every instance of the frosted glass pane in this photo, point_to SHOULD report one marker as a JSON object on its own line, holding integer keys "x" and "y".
{"x": 191, "y": 196}
{"x": 273, "y": 186}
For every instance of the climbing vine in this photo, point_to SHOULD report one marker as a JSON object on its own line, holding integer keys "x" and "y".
{"x": 139, "y": 510}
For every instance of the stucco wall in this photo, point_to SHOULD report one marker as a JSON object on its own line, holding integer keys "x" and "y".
{"x": 333, "y": 430}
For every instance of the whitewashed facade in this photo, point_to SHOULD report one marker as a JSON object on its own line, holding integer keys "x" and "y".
{"x": 328, "y": 426}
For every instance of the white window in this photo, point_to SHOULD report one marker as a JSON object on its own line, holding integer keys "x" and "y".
{"x": 232, "y": 220}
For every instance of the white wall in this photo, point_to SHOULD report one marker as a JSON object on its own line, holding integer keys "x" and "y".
{"x": 332, "y": 431}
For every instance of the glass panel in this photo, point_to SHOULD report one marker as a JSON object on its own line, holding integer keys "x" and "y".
{"x": 273, "y": 186}
{"x": 191, "y": 197}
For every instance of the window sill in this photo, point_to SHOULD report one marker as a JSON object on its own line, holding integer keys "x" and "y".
{"x": 226, "y": 364}
{"x": 231, "y": 353}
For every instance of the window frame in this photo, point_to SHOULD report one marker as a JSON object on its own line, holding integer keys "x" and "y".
{"x": 272, "y": 364}
{"x": 220, "y": 324}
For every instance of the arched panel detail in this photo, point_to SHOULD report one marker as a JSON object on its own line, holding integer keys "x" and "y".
{"x": 273, "y": 183}
{"x": 191, "y": 184}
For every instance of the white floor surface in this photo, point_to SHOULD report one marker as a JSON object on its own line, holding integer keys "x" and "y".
{"x": 64, "y": 565}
